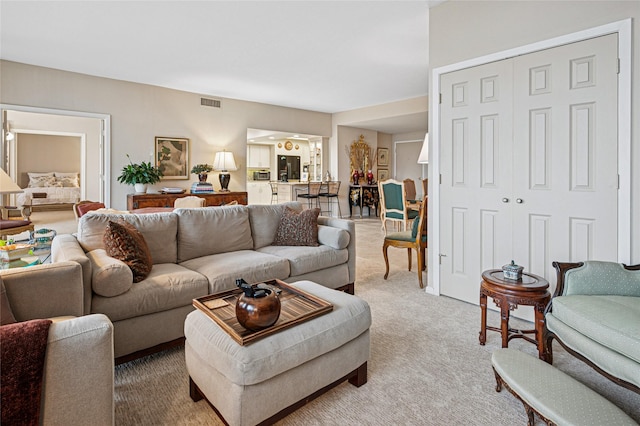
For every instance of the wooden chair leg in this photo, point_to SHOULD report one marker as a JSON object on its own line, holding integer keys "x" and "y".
{"x": 386, "y": 260}
{"x": 420, "y": 254}
{"x": 409, "y": 258}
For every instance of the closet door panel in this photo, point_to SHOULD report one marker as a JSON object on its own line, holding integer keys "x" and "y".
{"x": 476, "y": 158}
{"x": 565, "y": 134}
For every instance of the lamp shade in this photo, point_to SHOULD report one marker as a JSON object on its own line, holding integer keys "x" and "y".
{"x": 224, "y": 161}
{"x": 7, "y": 185}
{"x": 423, "y": 158}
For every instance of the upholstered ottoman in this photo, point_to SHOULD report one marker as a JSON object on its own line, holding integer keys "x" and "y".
{"x": 556, "y": 397}
{"x": 266, "y": 380}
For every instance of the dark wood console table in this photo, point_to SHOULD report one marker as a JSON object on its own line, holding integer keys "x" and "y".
{"x": 139, "y": 201}
{"x": 363, "y": 196}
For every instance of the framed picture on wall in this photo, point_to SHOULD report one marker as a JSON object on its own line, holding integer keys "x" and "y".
{"x": 383, "y": 156}
{"x": 172, "y": 157}
{"x": 383, "y": 174}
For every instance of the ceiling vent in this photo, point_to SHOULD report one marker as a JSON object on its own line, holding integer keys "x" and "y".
{"x": 210, "y": 102}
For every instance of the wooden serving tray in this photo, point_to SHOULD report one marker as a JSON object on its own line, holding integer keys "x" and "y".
{"x": 297, "y": 306}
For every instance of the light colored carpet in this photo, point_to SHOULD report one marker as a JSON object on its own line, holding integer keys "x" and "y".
{"x": 426, "y": 365}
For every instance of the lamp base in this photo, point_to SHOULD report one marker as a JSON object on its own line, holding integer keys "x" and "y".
{"x": 225, "y": 178}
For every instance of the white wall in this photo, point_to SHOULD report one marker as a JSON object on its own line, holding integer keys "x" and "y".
{"x": 462, "y": 30}
{"x": 141, "y": 112}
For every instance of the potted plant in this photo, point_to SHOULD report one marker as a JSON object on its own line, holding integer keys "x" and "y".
{"x": 201, "y": 170}
{"x": 139, "y": 175}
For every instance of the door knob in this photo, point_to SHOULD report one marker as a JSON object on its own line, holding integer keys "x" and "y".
{"x": 519, "y": 200}
{"x": 505, "y": 200}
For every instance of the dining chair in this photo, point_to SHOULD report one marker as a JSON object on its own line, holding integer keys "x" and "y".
{"x": 274, "y": 192}
{"x": 189, "y": 202}
{"x": 410, "y": 190}
{"x": 331, "y": 194}
{"x": 312, "y": 192}
{"x": 413, "y": 239}
{"x": 425, "y": 185}
{"x": 393, "y": 204}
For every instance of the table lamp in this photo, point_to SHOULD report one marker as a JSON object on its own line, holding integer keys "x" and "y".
{"x": 423, "y": 158}
{"x": 7, "y": 186}
{"x": 224, "y": 162}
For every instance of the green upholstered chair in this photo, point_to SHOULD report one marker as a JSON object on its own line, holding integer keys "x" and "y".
{"x": 415, "y": 239}
{"x": 393, "y": 201}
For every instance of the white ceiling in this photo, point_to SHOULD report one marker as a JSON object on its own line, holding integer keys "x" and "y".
{"x": 327, "y": 56}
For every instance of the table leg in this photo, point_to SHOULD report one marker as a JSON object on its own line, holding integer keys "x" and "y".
{"x": 483, "y": 319}
{"x": 540, "y": 322}
{"x": 504, "y": 322}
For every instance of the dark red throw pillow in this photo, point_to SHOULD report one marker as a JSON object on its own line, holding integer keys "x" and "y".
{"x": 124, "y": 242}
{"x": 298, "y": 229}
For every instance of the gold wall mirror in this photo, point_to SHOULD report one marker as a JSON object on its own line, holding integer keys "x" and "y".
{"x": 360, "y": 155}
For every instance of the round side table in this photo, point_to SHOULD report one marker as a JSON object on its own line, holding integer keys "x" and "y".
{"x": 507, "y": 294}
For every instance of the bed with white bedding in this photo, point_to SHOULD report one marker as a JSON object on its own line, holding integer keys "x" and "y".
{"x": 50, "y": 188}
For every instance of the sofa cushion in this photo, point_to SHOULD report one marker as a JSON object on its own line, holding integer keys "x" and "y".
{"x": 109, "y": 276}
{"x": 168, "y": 286}
{"x": 124, "y": 242}
{"x": 202, "y": 232}
{"x": 282, "y": 351}
{"x": 223, "y": 269}
{"x": 611, "y": 321}
{"x": 298, "y": 228}
{"x": 604, "y": 278}
{"x": 303, "y": 260}
{"x": 265, "y": 219}
{"x": 159, "y": 230}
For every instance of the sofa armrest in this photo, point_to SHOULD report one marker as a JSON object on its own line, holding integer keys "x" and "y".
{"x": 66, "y": 247}
{"x": 44, "y": 291}
{"x": 78, "y": 373}
{"x": 350, "y": 227}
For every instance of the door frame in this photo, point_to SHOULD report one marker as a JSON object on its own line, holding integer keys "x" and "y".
{"x": 623, "y": 29}
{"x": 105, "y": 142}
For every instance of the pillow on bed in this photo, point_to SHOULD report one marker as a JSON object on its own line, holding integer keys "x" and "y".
{"x": 38, "y": 180}
{"x": 68, "y": 180}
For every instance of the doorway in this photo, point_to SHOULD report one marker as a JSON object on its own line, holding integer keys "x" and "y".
{"x": 93, "y": 129}
{"x": 405, "y": 163}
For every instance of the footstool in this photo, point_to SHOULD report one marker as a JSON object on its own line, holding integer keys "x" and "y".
{"x": 556, "y": 397}
{"x": 268, "y": 379}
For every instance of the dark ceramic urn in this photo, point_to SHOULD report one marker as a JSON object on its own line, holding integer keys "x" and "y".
{"x": 257, "y": 308}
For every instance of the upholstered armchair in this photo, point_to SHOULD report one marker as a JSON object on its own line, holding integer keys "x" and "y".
{"x": 393, "y": 201}
{"x": 78, "y": 368}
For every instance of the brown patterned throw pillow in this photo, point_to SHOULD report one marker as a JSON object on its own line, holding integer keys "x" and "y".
{"x": 124, "y": 242}
{"x": 298, "y": 229}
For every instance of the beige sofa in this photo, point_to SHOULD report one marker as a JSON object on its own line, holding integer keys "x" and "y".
{"x": 196, "y": 252}
{"x": 78, "y": 371}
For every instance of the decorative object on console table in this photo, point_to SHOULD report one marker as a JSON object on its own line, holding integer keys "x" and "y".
{"x": 201, "y": 170}
{"x": 172, "y": 157}
{"x": 139, "y": 201}
{"x": 139, "y": 175}
{"x": 202, "y": 188}
{"x": 224, "y": 162}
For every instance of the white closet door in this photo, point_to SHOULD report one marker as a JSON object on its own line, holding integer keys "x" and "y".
{"x": 476, "y": 169}
{"x": 565, "y": 134}
{"x": 529, "y": 160}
